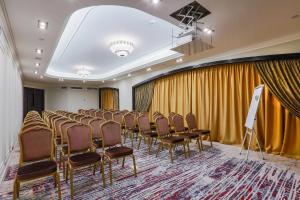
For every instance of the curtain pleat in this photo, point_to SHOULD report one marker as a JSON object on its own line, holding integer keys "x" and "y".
{"x": 220, "y": 97}
{"x": 109, "y": 99}
{"x": 143, "y": 97}
{"x": 283, "y": 80}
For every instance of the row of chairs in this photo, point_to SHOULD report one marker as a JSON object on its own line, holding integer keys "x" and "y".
{"x": 36, "y": 153}
{"x": 77, "y": 139}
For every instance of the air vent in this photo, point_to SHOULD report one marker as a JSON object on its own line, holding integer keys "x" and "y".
{"x": 76, "y": 88}
{"x": 64, "y": 87}
{"x": 92, "y": 88}
{"x": 190, "y": 13}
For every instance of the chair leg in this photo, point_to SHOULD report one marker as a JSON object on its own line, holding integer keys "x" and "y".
{"x": 125, "y": 136}
{"x": 54, "y": 179}
{"x": 170, "y": 152}
{"x": 198, "y": 143}
{"x": 150, "y": 144}
{"x": 102, "y": 172}
{"x": 123, "y": 162}
{"x": 134, "y": 165}
{"x": 131, "y": 138}
{"x": 110, "y": 172}
{"x": 15, "y": 189}
{"x": 95, "y": 168}
{"x": 140, "y": 139}
{"x": 155, "y": 141}
{"x": 58, "y": 185}
{"x": 188, "y": 147}
{"x": 158, "y": 149}
{"x": 71, "y": 183}
{"x": 184, "y": 150}
{"x": 67, "y": 174}
{"x": 210, "y": 140}
{"x": 201, "y": 143}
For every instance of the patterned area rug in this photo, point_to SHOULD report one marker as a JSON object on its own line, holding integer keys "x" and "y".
{"x": 211, "y": 174}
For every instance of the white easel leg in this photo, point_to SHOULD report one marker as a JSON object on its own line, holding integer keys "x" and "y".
{"x": 243, "y": 142}
{"x": 249, "y": 144}
{"x": 261, "y": 153}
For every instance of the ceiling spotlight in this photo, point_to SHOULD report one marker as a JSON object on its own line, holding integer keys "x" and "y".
{"x": 83, "y": 81}
{"x": 39, "y": 51}
{"x": 129, "y": 75}
{"x": 179, "y": 60}
{"x": 37, "y": 64}
{"x": 155, "y": 1}
{"x": 41, "y": 76}
{"x": 61, "y": 79}
{"x": 148, "y": 69}
{"x": 103, "y": 81}
{"x": 42, "y": 25}
{"x": 121, "y": 48}
{"x": 207, "y": 31}
{"x": 114, "y": 79}
{"x": 35, "y": 72}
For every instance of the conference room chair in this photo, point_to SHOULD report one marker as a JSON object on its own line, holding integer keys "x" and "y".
{"x": 80, "y": 153}
{"x": 36, "y": 158}
{"x": 180, "y": 130}
{"x": 166, "y": 139}
{"x": 107, "y": 115}
{"x": 118, "y": 117}
{"x": 113, "y": 147}
{"x": 33, "y": 124}
{"x": 63, "y": 143}
{"x": 170, "y": 117}
{"x": 145, "y": 131}
{"x": 99, "y": 114}
{"x": 79, "y": 117}
{"x": 192, "y": 124}
{"x": 130, "y": 128}
{"x": 95, "y": 125}
{"x": 86, "y": 119}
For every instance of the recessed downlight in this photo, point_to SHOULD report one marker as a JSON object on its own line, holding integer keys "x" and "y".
{"x": 179, "y": 60}
{"x": 103, "y": 81}
{"x": 35, "y": 72}
{"x": 207, "y": 31}
{"x": 39, "y": 51}
{"x": 43, "y": 25}
{"x": 114, "y": 79}
{"x": 61, "y": 79}
{"x": 155, "y": 1}
{"x": 129, "y": 75}
{"x": 41, "y": 76}
{"x": 37, "y": 64}
{"x": 148, "y": 69}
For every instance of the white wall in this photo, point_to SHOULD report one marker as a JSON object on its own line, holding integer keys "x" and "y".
{"x": 11, "y": 101}
{"x": 70, "y": 99}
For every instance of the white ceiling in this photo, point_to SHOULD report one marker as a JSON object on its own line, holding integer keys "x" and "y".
{"x": 238, "y": 24}
{"x": 89, "y": 32}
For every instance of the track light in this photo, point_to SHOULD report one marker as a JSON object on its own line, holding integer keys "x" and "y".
{"x": 39, "y": 51}
{"x": 207, "y": 31}
{"x": 179, "y": 60}
{"x": 148, "y": 69}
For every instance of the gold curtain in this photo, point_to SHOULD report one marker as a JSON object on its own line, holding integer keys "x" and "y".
{"x": 109, "y": 99}
{"x": 143, "y": 96}
{"x": 220, "y": 96}
{"x": 283, "y": 80}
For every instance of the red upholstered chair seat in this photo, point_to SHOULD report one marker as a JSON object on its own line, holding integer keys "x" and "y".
{"x": 116, "y": 152}
{"x": 84, "y": 159}
{"x": 36, "y": 170}
{"x": 172, "y": 139}
{"x": 150, "y": 133}
{"x": 203, "y": 132}
{"x": 190, "y": 135}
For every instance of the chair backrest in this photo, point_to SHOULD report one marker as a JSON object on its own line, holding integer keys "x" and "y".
{"x": 107, "y": 115}
{"x": 191, "y": 121}
{"x": 57, "y": 123}
{"x": 95, "y": 124}
{"x": 178, "y": 123}
{"x": 111, "y": 133}
{"x": 170, "y": 118}
{"x": 36, "y": 144}
{"x": 79, "y": 138}
{"x": 78, "y": 117}
{"x": 99, "y": 114}
{"x": 162, "y": 127}
{"x": 129, "y": 121}
{"x": 27, "y": 126}
{"x": 63, "y": 130}
{"x": 86, "y": 119}
{"x": 144, "y": 123}
{"x": 118, "y": 117}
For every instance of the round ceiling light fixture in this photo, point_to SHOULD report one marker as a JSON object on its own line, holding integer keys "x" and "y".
{"x": 121, "y": 48}
{"x": 83, "y": 73}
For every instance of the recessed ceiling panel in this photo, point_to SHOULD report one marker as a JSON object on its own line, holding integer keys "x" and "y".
{"x": 90, "y": 31}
